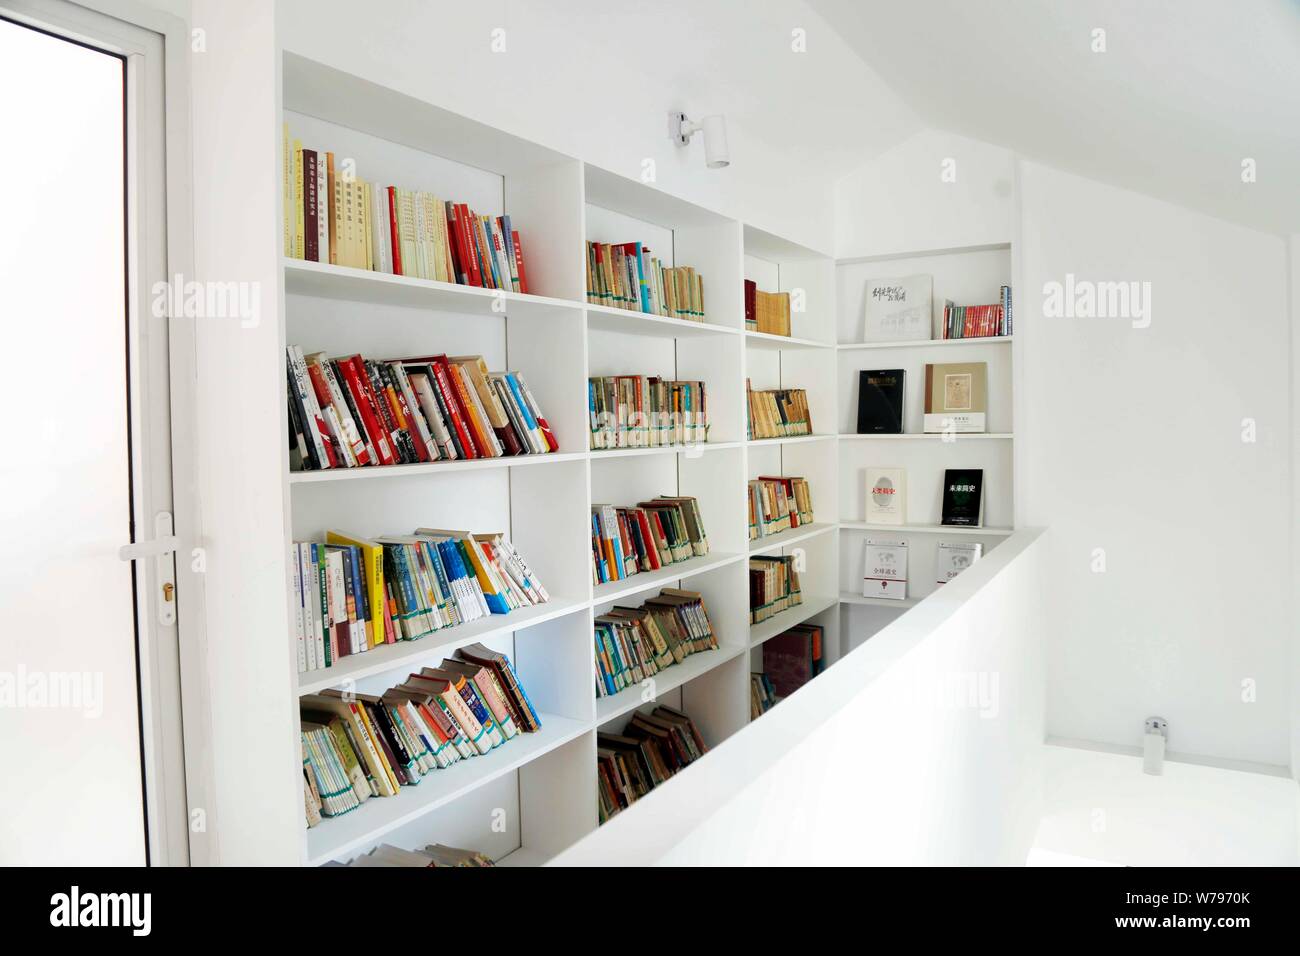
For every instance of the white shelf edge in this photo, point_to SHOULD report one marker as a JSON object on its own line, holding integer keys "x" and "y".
{"x": 380, "y": 660}
{"x": 958, "y": 437}
{"x": 613, "y": 590}
{"x": 334, "y": 837}
{"x": 789, "y": 440}
{"x": 367, "y": 472}
{"x": 926, "y": 529}
{"x": 690, "y": 451}
{"x": 925, "y": 343}
{"x": 647, "y": 323}
{"x": 764, "y": 631}
{"x": 851, "y": 597}
{"x": 794, "y": 535}
{"x": 768, "y": 340}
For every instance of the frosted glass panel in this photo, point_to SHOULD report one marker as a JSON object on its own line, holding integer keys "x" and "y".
{"x": 69, "y": 728}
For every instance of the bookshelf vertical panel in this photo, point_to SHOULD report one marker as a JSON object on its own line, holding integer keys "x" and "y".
{"x": 548, "y": 509}
{"x": 811, "y": 284}
{"x": 555, "y": 665}
{"x": 814, "y": 371}
{"x": 716, "y": 251}
{"x": 545, "y": 206}
{"x": 713, "y": 479}
{"x": 557, "y": 797}
{"x": 550, "y": 351}
{"x": 716, "y": 360}
{"x": 718, "y": 701}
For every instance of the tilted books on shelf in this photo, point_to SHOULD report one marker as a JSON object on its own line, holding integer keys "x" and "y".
{"x": 767, "y": 312}
{"x": 886, "y": 496}
{"x": 778, "y": 412}
{"x": 773, "y": 586}
{"x": 625, "y": 275}
{"x": 884, "y": 572}
{"x": 956, "y": 558}
{"x": 956, "y": 397}
{"x": 651, "y": 748}
{"x": 654, "y": 534}
{"x": 331, "y": 216}
{"x": 778, "y": 503}
{"x": 632, "y": 644}
{"x": 898, "y": 309}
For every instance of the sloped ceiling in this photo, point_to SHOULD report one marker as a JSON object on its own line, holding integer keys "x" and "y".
{"x": 1183, "y": 93}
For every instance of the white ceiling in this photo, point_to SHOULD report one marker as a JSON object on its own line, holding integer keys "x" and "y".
{"x": 1185, "y": 90}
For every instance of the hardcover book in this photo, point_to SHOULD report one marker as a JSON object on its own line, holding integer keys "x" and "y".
{"x": 898, "y": 309}
{"x": 880, "y": 401}
{"x": 886, "y": 496}
{"x": 792, "y": 659}
{"x": 956, "y": 397}
{"x": 963, "y": 497}
{"x": 884, "y": 570}
{"x": 956, "y": 558}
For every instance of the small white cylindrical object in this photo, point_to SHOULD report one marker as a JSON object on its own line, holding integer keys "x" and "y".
{"x": 1153, "y": 754}
{"x": 716, "y": 153}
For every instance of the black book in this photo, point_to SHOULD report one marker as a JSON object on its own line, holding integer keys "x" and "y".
{"x": 963, "y": 493}
{"x": 880, "y": 401}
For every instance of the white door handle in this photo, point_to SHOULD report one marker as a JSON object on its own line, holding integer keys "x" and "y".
{"x": 160, "y": 548}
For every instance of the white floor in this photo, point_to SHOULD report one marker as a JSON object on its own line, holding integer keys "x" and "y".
{"x": 1100, "y": 809}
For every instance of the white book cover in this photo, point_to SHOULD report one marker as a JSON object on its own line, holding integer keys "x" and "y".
{"x": 956, "y": 558}
{"x": 898, "y": 309}
{"x": 884, "y": 570}
{"x": 886, "y": 496}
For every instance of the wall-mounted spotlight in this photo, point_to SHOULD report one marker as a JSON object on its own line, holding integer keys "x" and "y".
{"x": 716, "y": 154}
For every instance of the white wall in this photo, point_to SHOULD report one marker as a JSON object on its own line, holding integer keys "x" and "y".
{"x": 921, "y": 747}
{"x": 935, "y": 190}
{"x": 1132, "y": 443}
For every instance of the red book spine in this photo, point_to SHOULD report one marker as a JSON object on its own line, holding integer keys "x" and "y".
{"x": 519, "y": 260}
{"x": 392, "y": 228}
{"x": 402, "y": 412}
{"x": 457, "y": 245}
{"x": 648, "y": 537}
{"x": 453, "y": 406}
{"x": 359, "y": 386}
{"x": 472, "y": 272}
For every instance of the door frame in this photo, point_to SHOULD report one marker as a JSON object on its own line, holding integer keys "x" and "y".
{"x": 175, "y": 716}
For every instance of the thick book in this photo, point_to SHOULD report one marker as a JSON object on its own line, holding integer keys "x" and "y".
{"x": 792, "y": 659}
{"x": 880, "y": 401}
{"x": 898, "y": 309}
{"x": 963, "y": 497}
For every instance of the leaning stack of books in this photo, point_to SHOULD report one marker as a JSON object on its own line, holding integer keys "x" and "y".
{"x": 352, "y": 411}
{"x": 633, "y": 643}
{"x": 773, "y": 586}
{"x": 352, "y": 594}
{"x": 778, "y": 504}
{"x": 762, "y": 696}
{"x": 639, "y": 411}
{"x": 651, "y": 748}
{"x": 331, "y": 216}
{"x": 778, "y": 412}
{"x": 654, "y": 534}
{"x": 359, "y": 746}
{"x": 625, "y": 275}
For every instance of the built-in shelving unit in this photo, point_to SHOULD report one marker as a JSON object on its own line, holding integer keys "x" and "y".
{"x": 536, "y": 794}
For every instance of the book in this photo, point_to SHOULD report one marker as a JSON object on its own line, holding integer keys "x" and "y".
{"x": 773, "y": 586}
{"x": 341, "y": 219}
{"x": 433, "y": 855}
{"x": 791, "y": 659}
{"x": 638, "y": 411}
{"x": 633, "y": 644}
{"x": 762, "y": 695}
{"x": 956, "y": 558}
{"x": 880, "y": 401}
{"x": 351, "y": 594}
{"x": 963, "y": 497}
{"x": 778, "y": 503}
{"x": 898, "y": 309}
{"x": 886, "y": 496}
{"x": 626, "y": 275}
{"x": 653, "y": 534}
{"x": 884, "y": 569}
{"x": 652, "y": 748}
{"x": 767, "y": 312}
{"x": 777, "y": 412}
{"x": 975, "y": 321}
{"x": 956, "y": 397}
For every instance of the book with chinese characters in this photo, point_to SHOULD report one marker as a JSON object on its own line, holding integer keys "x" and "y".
{"x": 880, "y": 401}
{"x": 955, "y": 558}
{"x": 898, "y": 310}
{"x": 963, "y": 497}
{"x": 886, "y": 496}
{"x": 884, "y": 573}
{"x": 956, "y": 397}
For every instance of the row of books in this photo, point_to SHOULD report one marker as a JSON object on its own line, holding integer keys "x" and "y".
{"x": 977, "y": 321}
{"x": 624, "y": 275}
{"x": 651, "y": 748}
{"x": 331, "y": 216}
{"x": 885, "y": 565}
{"x": 962, "y": 500}
{"x": 352, "y": 411}
{"x": 793, "y": 658}
{"x": 634, "y": 643}
{"x": 627, "y": 541}
{"x": 956, "y": 396}
{"x": 773, "y": 586}
{"x": 640, "y": 411}
{"x": 778, "y": 504}
{"x": 352, "y": 594}
{"x": 359, "y": 746}
{"x": 766, "y": 311}
{"x": 433, "y": 855}
{"x": 778, "y": 412}
{"x": 762, "y": 695}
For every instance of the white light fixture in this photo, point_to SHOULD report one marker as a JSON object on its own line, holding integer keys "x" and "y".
{"x": 716, "y": 154}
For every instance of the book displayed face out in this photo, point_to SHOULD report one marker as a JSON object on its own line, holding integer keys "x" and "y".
{"x": 884, "y": 570}
{"x": 886, "y": 496}
{"x": 898, "y": 310}
{"x": 880, "y": 401}
{"x": 956, "y": 397}
{"x": 963, "y": 496}
{"x": 956, "y": 558}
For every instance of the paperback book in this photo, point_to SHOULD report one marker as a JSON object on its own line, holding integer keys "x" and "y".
{"x": 653, "y": 534}
{"x": 898, "y": 309}
{"x": 652, "y": 747}
{"x": 635, "y": 643}
{"x": 884, "y": 570}
{"x": 773, "y": 586}
{"x": 639, "y": 411}
{"x": 778, "y": 412}
{"x": 886, "y": 496}
{"x": 778, "y": 503}
{"x": 956, "y": 558}
{"x": 625, "y": 275}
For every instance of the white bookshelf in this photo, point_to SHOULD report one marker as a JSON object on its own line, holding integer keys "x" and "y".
{"x": 536, "y": 794}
